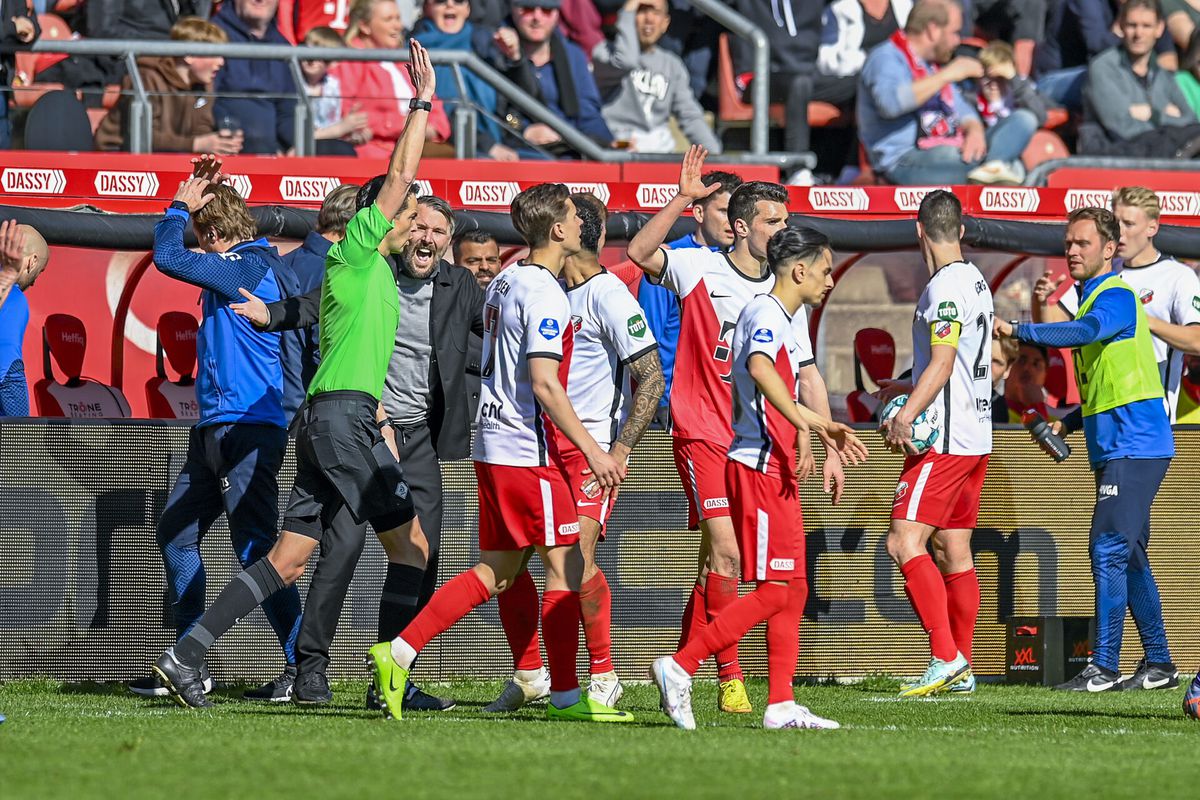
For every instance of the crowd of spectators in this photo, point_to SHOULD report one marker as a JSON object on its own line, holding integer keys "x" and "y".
{"x": 936, "y": 91}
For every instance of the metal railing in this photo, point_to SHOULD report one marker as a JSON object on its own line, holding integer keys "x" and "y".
{"x": 760, "y": 87}
{"x": 465, "y": 115}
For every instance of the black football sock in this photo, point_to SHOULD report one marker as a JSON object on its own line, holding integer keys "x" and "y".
{"x": 398, "y": 601}
{"x": 239, "y": 597}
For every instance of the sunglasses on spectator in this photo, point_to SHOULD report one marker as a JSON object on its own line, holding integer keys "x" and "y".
{"x": 451, "y": 2}
{"x": 530, "y": 11}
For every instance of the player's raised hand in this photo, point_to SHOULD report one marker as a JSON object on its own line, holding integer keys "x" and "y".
{"x": 805, "y": 463}
{"x": 690, "y": 183}
{"x": 420, "y": 69}
{"x": 12, "y": 248}
{"x": 207, "y": 166}
{"x": 849, "y": 448}
{"x": 1046, "y": 286}
{"x": 253, "y": 309}
{"x": 194, "y": 194}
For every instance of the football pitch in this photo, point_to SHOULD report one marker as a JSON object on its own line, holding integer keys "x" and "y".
{"x": 94, "y": 741}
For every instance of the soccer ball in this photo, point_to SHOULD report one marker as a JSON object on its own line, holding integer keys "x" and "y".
{"x": 926, "y": 428}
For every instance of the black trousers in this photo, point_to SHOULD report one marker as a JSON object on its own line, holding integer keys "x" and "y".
{"x": 424, "y": 476}
{"x": 796, "y": 91}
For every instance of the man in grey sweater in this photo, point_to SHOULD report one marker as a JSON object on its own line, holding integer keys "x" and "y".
{"x": 642, "y": 85}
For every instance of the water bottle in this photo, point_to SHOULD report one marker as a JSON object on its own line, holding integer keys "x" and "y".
{"x": 1051, "y": 443}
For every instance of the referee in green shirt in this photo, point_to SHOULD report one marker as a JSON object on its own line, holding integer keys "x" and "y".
{"x": 346, "y": 471}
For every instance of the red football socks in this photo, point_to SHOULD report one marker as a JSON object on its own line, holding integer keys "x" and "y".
{"x": 962, "y": 604}
{"x": 447, "y": 606}
{"x": 927, "y": 593}
{"x": 727, "y": 630}
{"x": 560, "y": 621}
{"x": 519, "y": 617}
{"x": 720, "y": 593}
{"x": 783, "y": 643}
{"x": 695, "y": 615}
{"x": 595, "y": 605}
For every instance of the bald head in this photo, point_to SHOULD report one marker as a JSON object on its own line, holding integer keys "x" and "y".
{"x": 37, "y": 256}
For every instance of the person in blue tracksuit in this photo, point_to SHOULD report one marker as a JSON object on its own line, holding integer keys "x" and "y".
{"x": 1130, "y": 447}
{"x": 661, "y": 307}
{"x": 237, "y": 446}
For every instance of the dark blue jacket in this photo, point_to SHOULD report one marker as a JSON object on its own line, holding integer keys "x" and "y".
{"x": 239, "y": 377}
{"x": 301, "y": 271}
{"x": 589, "y": 121}
{"x": 267, "y": 122}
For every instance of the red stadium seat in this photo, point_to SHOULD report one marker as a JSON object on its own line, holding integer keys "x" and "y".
{"x": 862, "y": 406}
{"x": 1044, "y": 146}
{"x": 65, "y": 338}
{"x": 168, "y": 399}
{"x": 28, "y": 65}
{"x": 874, "y": 352}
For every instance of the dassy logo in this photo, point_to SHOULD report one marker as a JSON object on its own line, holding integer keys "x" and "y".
{"x": 598, "y": 189}
{"x": 242, "y": 185}
{"x": 568, "y": 529}
{"x": 1019, "y": 200}
{"x": 488, "y": 193}
{"x": 655, "y": 195}
{"x": 783, "y": 564}
{"x": 947, "y": 311}
{"x": 33, "y": 181}
{"x": 908, "y": 198}
{"x": 824, "y": 199}
{"x": 1146, "y": 296}
{"x": 1024, "y": 657}
{"x": 636, "y": 326}
{"x": 128, "y": 184}
{"x": 716, "y": 502}
{"x": 1086, "y": 198}
{"x": 306, "y": 187}
{"x": 1179, "y": 204}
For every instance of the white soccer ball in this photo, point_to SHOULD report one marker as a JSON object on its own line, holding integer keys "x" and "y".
{"x": 926, "y": 428}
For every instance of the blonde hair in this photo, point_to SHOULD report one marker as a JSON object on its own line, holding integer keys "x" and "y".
{"x": 227, "y": 214}
{"x": 997, "y": 53}
{"x": 323, "y": 36}
{"x": 194, "y": 29}
{"x": 360, "y": 12}
{"x": 1137, "y": 197}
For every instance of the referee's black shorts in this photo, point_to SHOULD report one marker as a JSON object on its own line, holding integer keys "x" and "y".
{"x": 342, "y": 460}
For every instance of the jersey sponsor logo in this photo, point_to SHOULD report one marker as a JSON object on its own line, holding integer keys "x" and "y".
{"x": 1024, "y": 201}
{"x": 947, "y": 311}
{"x": 1146, "y": 296}
{"x": 1196, "y": 303}
{"x": 636, "y": 326}
{"x": 127, "y": 184}
{"x": 599, "y": 189}
{"x": 490, "y": 414}
{"x": 548, "y": 328}
{"x": 1086, "y": 198}
{"x": 943, "y": 329}
{"x": 488, "y": 193}
{"x": 33, "y": 181}
{"x": 783, "y": 564}
{"x": 303, "y": 188}
{"x": 715, "y": 503}
{"x": 1180, "y": 204}
{"x": 835, "y": 199}
{"x": 655, "y": 195}
{"x": 568, "y": 529}
{"x": 763, "y": 335}
{"x": 908, "y": 198}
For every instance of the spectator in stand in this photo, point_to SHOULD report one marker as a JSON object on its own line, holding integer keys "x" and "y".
{"x": 644, "y": 85}
{"x": 912, "y": 119}
{"x": 268, "y": 122}
{"x": 1004, "y": 355}
{"x": 479, "y": 252}
{"x": 1132, "y": 105}
{"x": 383, "y": 89}
{"x": 852, "y": 28}
{"x": 661, "y": 306}
{"x": 1002, "y": 95}
{"x": 1022, "y": 22}
{"x": 580, "y": 22}
{"x": 1188, "y": 76}
{"x": 692, "y": 36}
{"x": 1076, "y": 32}
{"x": 793, "y": 29}
{"x": 1182, "y": 17}
{"x": 555, "y": 71}
{"x": 297, "y": 17}
{"x": 23, "y": 256}
{"x": 446, "y": 25}
{"x": 335, "y": 133}
{"x": 180, "y": 92}
{"x": 17, "y": 26}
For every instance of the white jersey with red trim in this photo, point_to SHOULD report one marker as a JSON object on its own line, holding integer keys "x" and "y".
{"x": 1170, "y": 291}
{"x": 712, "y": 294}
{"x": 608, "y": 331}
{"x": 958, "y": 293}
{"x": 525, "y": 315}
{"x": 763, "y": 439}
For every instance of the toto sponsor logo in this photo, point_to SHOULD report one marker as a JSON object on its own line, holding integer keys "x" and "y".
{"x": 1021, "y": 201}
{"x": 908, "y": 198}
{"x": 598, "y": 189}
{"x": 838, "y": 199}
{"x": 488, "y": 193}
{"x": 310, "y": 188}
{"x": 1179, "y": 204}
{"x": 127, "y": 184}
{"x": 1086, "y": 198}
{"x": 241, "y": 184}
{"x": 33, "y": 181}
{"x": 655, "y": 195}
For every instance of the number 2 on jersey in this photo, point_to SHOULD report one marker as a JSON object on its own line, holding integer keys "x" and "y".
{"x": 984, "y": 321}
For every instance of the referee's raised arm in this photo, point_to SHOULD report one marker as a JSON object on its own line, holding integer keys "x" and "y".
{"x": 402, "y": 168}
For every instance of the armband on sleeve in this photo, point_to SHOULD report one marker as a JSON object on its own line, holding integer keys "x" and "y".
{"x": 944, "y": 332}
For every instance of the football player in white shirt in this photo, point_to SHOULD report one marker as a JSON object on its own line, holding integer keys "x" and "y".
{"x": 762, "y": 474}
{"x": 1168, "y": 289}
{"x": 713, "y": 289}
{"x": 937, "y": 495}
{"x": 524, "y": 501}
{"x": 611, "y": 348}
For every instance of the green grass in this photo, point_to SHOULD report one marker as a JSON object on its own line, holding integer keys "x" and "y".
{"x": 85, "y": 741}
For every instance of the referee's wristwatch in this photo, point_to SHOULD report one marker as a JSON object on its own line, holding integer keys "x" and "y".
{"x": 419, "y": 105}
{"x": 1016, "y": 324}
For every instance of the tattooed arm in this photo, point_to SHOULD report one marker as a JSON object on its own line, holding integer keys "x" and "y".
{"x": 647, "y": 373}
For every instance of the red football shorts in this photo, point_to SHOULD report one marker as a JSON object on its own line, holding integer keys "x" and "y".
{"x": 524, "y": 506}
{"x": 940, "y": 490}
{"x": 768, "y": 521}
{"x": 701, "y": 466}
{"x": 593, "y": 506}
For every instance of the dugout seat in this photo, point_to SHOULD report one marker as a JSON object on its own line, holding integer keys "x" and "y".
{"x": 59, "y": 121}
{"x": 174, "y": 399}
{"x": 874, "y": 354}
{"x": 65, "y": 339}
